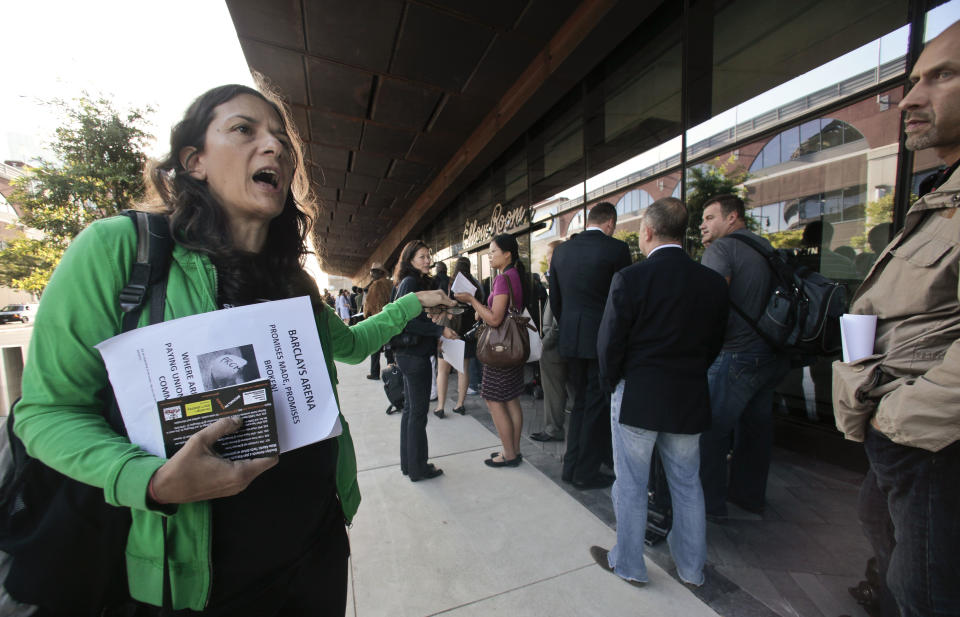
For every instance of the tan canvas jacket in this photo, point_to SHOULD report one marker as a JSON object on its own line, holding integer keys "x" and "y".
{"x": 911, "y": 385}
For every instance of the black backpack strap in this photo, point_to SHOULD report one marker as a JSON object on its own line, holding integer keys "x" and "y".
{"x": 768, "y": 254}
{"x": 148, "y": 276}
{"x": 763, "y": 250}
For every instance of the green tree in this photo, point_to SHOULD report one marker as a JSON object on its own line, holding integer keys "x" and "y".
{"x": 97, "y": 171}
{"x": 876, "y": 212}
{"x": 708, "y": 180}
{"x": 632, "y": 238}
{"x": 788, "y": 239}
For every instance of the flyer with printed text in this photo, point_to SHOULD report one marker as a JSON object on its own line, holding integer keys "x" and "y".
{"x": 253, "y": 401}
{"x": 273, "y": 341}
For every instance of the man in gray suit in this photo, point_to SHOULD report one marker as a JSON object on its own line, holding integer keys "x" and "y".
{"x": 553, "y": 373}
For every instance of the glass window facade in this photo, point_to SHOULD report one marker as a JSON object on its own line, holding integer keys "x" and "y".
{"x": 795, "y": 103}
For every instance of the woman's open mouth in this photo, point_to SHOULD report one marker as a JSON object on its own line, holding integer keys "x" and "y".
{"x": 267, "y": 177}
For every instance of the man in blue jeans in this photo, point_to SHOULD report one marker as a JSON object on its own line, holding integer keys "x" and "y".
{"x": 662, "y": 326}
{"x": 903, "y": 401}
{"x": 744, "y": 375}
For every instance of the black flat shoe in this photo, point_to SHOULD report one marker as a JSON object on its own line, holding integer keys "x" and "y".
{"x": 514, "y": 462}
{"x": 599, "y": 480}
{"x": 544, "y": 437}
{"x": 460, "y": 410}
{"x": 439, "y": 413}
{"x": 500, "y": 454}
{"x": 430, "y": 472}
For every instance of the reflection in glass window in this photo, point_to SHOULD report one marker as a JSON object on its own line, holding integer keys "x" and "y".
{"x": 808, "y": 138}
{"x": 771, "y": 154}
{"x": 633, "y": 202}
{"x": 789, "y": 143}
{"x": 561, "y": 151}
{"x": 576, "y": 224}
{"x": 841, "y": 205}
{"x": 549, "y": 218}
{"x": 770, "y": 217}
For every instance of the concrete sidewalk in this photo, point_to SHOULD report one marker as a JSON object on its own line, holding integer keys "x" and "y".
{"x": 476, "y": 540}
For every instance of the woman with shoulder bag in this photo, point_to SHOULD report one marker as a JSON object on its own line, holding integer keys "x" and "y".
{"x": 412, "y": 349}
{"x": 501, "y": 387}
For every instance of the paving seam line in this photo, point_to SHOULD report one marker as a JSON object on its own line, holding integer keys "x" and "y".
{"x": 511, "y": 590}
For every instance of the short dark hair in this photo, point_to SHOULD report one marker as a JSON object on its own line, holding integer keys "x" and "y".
{"x": 602, "y": 212}
{"x": 728, "y": 203}
{"x": 667, "y": 218}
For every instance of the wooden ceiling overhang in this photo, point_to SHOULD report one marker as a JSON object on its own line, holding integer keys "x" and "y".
{"x": 402, "y": 103}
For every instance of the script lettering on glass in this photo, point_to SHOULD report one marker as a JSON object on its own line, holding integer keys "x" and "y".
{"x": 500, "y": 221}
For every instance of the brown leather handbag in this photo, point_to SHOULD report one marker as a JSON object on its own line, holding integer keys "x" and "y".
{"x": 507, "y": 345}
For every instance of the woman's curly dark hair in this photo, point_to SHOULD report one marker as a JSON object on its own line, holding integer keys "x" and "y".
{"x": 200, "y": 223}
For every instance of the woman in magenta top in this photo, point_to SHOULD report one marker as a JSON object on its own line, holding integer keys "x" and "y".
{"x": 502, "y": 386}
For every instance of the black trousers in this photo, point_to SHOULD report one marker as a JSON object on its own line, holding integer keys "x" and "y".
{"x": 375, "y": 360}
{"x": 417, "y": 372}
{"x": 588, "y": 436}
{"x": 908, "y": 508}
{"x": 316, "y": 586}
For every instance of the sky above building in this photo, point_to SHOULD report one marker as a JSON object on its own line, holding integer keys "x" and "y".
{"x": 136, "y": 53}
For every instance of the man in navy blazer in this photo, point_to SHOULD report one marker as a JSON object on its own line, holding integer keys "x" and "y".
{"x": 580, "y": 275}
{"x": 663, "y": 326}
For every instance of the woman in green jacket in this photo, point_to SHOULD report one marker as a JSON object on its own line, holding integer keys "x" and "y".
{"x": 258, "y": 537}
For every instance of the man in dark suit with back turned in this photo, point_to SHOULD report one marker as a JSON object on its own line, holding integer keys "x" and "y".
{"x": 581, "y": 271}
{"x": 663, "y": 326}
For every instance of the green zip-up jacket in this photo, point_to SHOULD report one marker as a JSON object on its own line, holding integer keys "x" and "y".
{"x": 60, "y": 416}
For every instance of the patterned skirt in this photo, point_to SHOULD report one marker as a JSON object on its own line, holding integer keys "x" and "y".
{"x": 501, "y": 384}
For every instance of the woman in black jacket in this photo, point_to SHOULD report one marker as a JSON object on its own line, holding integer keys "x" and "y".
{"x": 412, "y": 349}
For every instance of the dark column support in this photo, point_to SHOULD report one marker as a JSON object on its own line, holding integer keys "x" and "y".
{"x": 901, "y": 197}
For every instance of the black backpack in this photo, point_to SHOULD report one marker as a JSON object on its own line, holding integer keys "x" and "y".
{"x": 802, "y": 314}
{"x": 67, "y": 544}
{"x": 393, "y": 387}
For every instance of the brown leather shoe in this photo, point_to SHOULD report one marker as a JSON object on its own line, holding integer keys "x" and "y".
{"x": 599, "y": 555}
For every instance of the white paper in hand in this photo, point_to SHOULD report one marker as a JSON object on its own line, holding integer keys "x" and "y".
{"x": 462, "y": 285}
{"x": 536, "y": 343}
{"x": 453, "y": 350}
{"x": 270, "y": 340}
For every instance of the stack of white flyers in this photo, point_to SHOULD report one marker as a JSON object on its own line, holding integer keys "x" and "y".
{"x": 178, "y": 360}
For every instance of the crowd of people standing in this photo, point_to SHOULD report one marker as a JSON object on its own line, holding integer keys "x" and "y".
{"x": 649, "y": 356}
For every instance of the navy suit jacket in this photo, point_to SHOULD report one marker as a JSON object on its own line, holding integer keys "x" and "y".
{"x": 662, "y": 328}
{"x": 580, "y": 275}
